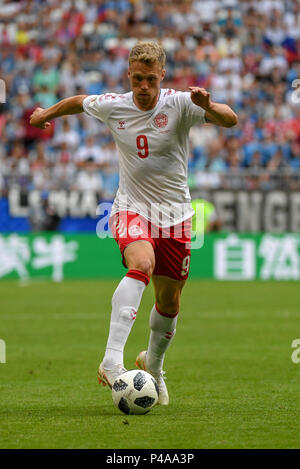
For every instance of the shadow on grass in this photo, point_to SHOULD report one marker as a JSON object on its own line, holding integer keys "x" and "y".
{"x": 32, "y": 412}
{"x": 59, "y": 411}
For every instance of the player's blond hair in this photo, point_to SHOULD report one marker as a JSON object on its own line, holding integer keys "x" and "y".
{"x": 148, "y": 53}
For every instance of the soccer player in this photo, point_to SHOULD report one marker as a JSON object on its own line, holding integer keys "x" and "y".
{"x": 150, "y": 126}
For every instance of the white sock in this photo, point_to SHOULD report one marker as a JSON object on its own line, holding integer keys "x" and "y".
{"x": 125, "y": 303}
{"x": 163, "y": 329}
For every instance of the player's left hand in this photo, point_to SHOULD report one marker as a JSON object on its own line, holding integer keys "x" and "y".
{"x": 200, "y": 97}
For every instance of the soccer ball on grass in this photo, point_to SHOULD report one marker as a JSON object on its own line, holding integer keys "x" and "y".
{"x": 135, "y": 392}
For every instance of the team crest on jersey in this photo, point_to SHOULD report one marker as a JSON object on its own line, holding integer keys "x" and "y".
{"x": 168, "y": 92}
{"x": 122, "y": 125}
{"x": 161, "y": 120}
{"x": 135, "y": 230}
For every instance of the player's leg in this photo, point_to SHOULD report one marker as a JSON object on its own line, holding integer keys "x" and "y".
{"x": 172, "y": 255}
{"x": 167, "y": 294}
{"x": 163, "y": 319}
{"x": 140, "y": 260}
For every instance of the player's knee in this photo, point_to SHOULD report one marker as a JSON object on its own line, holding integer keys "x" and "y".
{"x": 145, "y": 265}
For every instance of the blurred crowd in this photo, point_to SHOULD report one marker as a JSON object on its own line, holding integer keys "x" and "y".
{"x": 246, "y": 52}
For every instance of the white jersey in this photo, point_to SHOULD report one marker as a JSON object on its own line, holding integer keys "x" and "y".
{"x": 153, "y": 148}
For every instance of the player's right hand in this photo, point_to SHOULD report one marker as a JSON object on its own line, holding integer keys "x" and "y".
{"x": 37, "y": 119}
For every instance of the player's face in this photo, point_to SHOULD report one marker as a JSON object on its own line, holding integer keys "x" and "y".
{"x": 145, "y": 84}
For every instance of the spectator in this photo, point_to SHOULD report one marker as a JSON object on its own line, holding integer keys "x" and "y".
{"x": 90, "y": 152}
{"x": 89, "y": 179}
{"x": 46, "y": 76}
{"x": 67, "y": 135}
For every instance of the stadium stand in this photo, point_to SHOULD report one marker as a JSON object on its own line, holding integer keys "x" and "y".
{"x": 245, "y": 52}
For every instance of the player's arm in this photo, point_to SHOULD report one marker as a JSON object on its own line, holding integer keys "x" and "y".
{"x": 215, "y": 113}
{"x": 40, "y": 117}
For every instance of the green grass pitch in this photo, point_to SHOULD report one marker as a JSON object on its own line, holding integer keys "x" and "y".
{"x": 231, "y": 380}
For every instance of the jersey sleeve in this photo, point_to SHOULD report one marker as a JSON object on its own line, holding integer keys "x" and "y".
{"x": 190, "y": 113}
{"x": 99, "y": 106}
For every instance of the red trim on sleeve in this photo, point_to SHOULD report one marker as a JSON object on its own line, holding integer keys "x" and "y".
{"x": 138, "y": 275}
{"x": 165, "y": 314}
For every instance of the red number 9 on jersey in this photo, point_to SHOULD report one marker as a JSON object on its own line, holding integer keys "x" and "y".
{"x": 142, "y": 145}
